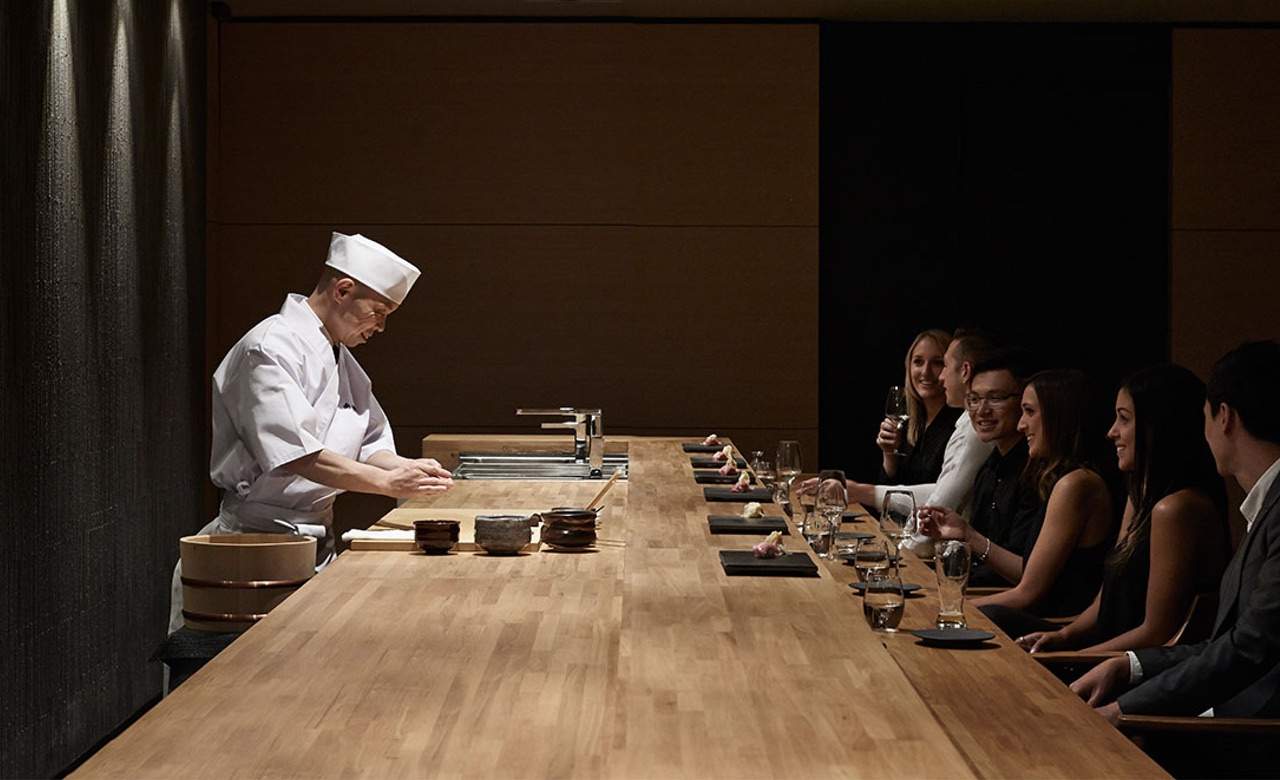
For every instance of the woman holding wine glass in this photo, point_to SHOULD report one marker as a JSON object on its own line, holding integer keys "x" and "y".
{"x": 918, "y": 422}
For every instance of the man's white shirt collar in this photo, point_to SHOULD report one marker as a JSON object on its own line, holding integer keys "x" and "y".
{"x": 1257, "y": 494}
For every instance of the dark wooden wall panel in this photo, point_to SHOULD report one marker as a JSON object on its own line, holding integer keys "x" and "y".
{"x": 1226, "y": 129}
{"x": 622, "y": 215}
{"x": 1226, "y": 190}
{"x": 662, "y": 327}
{"x": 519, "y": 123}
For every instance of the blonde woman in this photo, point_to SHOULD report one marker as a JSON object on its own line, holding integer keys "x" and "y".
{"x": 932, "y": 421}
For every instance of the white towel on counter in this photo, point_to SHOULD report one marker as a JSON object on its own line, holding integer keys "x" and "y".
{"x": 391, "y": 535}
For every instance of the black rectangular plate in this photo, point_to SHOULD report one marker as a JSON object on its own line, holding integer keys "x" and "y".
{"x": 699, "y": 462}
{"x": 739, "y": 563}
{"x": 702, "y": 447}
{"x": 724, "y": 494}
{"x": 715, "y": 478}
{"x": 736, "y": 524}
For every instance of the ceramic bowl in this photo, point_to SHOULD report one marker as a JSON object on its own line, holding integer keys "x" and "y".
{"x": 502, "y": 534}
{"x": 435, "y": 537}
{"x": 568, "y": 533}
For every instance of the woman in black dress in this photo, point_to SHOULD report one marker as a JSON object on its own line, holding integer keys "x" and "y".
{"x": 1173, "y": 539}
{"x": 1071, "y": 524}
{"x": 932, "y": 421}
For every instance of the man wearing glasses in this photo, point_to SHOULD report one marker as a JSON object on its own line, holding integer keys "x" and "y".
{"x": 1003, "y": 504}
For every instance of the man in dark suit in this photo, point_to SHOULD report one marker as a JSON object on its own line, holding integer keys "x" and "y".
{"x": 1236, "y": 672}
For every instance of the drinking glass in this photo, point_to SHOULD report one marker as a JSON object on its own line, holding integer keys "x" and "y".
{"x": 871, "y": 559}
{"x": 817, "y": 532}
{"x": 952, "y": 563}
{"x": 883, "y": 601}
{"x": 787, "y": 461}
{"x": 830, "y": 503}
{"x": 896, "y": 515}
{"x": 895, "y": 408}
{"x": 764, "y": 472}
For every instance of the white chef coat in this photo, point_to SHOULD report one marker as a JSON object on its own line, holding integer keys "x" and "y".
{"x": 280, "y": 395}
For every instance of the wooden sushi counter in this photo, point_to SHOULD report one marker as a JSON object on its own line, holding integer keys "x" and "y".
{"x": 640, "y": 658}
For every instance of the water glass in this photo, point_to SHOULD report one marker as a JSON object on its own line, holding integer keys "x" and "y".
{"x": 896, "y": 409}
{"x": 817, "y": 532}
{"x": 883, "y": 601}
{"x": 787, "y": 460}
{"x": 952, "y": 563}
{"x": 897, "y": 514}
{"x": 831, "y": 501}
{"x": 764, "y": 472}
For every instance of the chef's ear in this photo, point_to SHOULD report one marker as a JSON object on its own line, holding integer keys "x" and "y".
{"x": 343, "y": 288}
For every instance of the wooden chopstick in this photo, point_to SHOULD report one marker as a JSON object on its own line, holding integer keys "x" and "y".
{"x": 616, "y": 474}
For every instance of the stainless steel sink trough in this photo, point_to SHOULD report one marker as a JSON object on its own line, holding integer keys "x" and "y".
{"x": 534, "y": 466}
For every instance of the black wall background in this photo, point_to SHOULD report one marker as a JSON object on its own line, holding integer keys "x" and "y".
{"x": 101, "y": 311}
{"x": 1010, "y": 177}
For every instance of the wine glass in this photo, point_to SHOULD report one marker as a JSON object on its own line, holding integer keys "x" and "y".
{"x": 896, "y": 409}
{"x": 883, "y": 601}
{"x": 830, "y": 503}
{"x": 896, "y": 515}
{"x": 764, "y": 472}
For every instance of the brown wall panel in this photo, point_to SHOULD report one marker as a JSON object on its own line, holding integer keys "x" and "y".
{"x": 519, "y": 123}
{"x": 662, "y": 327}
{"x": 1226, "y": 129}
{"x": 1224, "y": 287}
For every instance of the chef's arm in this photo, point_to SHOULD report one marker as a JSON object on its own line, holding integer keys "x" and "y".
{"x": 386, "y": 459}
{"x": 330, "y": 469}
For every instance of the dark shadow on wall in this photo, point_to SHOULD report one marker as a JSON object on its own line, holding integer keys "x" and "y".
{"x": 102, "y": 316}
{"x": 1013, "y": 177}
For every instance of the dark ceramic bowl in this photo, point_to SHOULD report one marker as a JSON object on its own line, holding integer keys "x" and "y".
{"x": 502, "y": 534}
{"x": 435, "y": 537}
{"x": 568, "y": 533}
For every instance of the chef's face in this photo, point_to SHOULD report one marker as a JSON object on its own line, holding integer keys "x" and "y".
{"x": 360, "y": 313}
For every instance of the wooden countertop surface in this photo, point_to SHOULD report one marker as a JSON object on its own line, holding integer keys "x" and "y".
{"x": 638, "y": 659}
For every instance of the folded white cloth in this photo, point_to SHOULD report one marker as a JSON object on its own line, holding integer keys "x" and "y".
{"x": 394, "y": 536}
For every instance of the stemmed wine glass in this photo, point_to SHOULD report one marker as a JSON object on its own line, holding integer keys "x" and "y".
{"x": 896, "y": 515}
{"x": 830, "y": 503}
{"x": 896, "y": 409}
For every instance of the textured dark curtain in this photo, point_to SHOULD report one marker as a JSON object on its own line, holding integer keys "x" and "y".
{"x": 101, "y": 317}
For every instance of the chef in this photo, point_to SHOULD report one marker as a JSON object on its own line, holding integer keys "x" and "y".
{"x": 295, "y": 422}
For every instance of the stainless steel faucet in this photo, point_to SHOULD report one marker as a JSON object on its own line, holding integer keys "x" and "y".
{"x": 588, "y": 431}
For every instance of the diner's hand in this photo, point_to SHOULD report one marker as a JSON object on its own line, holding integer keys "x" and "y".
{"x": 808, "y": 488}
{"x": 1040, "y": 641}
{"x": 887, "y": 438}
{"x": 1102, "y": 681}
{"x": 942, "y": 522}
{"x": 432, "y": 468}
{"x": 1110, "y": 711}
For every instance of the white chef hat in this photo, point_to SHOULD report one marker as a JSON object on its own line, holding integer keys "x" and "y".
{"x": 373, "y": 265}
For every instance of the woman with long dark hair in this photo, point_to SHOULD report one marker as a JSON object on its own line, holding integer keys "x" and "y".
{"x": 931, "y": 421}
{"x": 1173, "y": 541}
{"x": 1070, "y": 530}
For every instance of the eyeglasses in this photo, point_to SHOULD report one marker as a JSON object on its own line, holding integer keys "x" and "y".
{"x": 995, "y": 400}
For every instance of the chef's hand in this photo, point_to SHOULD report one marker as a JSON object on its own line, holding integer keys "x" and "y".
{"x": 887, "y": 438}
{"x": 1040, "y": 641}
{"x": 942, "y": 522}
{"x": 1100, "y": 683}
{"x": 432, "y": 468}
{"x": 411, "y": 482}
